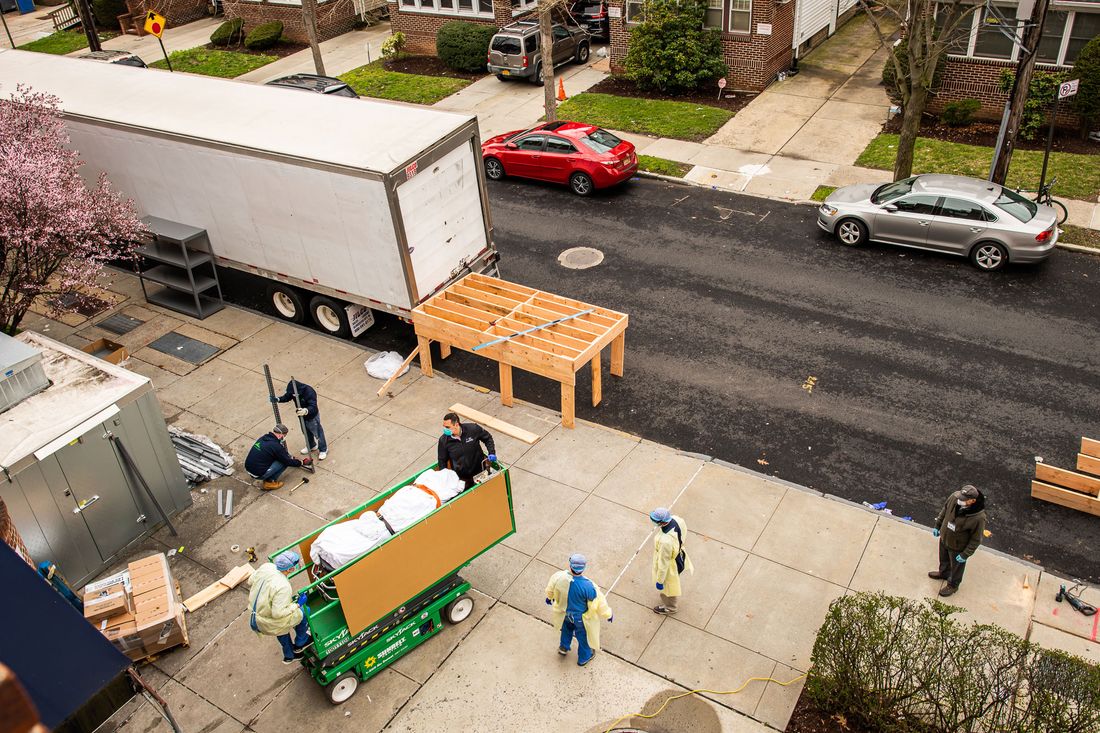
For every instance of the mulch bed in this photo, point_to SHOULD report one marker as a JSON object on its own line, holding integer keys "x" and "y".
{"x": 623, "y": 87}
{"x": 985, "y": 133}
{"x": 282, "y": 49}
{"x": 428, "y": 66}
{"x": 806, "y": 718}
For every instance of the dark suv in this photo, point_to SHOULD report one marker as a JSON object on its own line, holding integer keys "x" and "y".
{"x": 514, "y": 50}
{"x": 592, "y": 14}
{"x": 315, "y": 83}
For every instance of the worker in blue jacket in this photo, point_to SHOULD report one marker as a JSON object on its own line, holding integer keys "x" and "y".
{"x": 268, "y": 458}
{"x": 315, "y": 434}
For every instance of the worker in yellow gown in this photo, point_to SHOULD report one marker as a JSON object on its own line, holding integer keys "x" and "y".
{"x": 578, "y": 607}
{"x": 670, "y": 560}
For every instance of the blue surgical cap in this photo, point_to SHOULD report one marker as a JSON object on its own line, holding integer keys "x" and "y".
{"x": 286, "y": 560}
{"x": 660, "y": 515}
{"x": 577, "y": 563}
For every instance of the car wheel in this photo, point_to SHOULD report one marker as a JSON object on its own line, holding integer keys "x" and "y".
{"x": 581, "y": 184}
{"x": 287, "y": 302}
{"x": 494, "y": 169}
{"x": 851, "y": 232}
{"x": 537, "y": 78}
{"x": 582, "y": 53}
{"x": 330, "y": 316}
{"x": 502, "y": 77}
{"x": 989, "y": 256}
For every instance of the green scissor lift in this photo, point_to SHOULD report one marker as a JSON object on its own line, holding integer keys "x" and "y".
{"x": 375, "y": 609}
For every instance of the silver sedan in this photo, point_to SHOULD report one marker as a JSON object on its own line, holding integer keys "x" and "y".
{"x": 990, "y": 224}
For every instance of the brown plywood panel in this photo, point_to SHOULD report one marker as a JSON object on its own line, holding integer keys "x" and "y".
{"x": 1068, "y": 479}
{"x": 1090, "y": 447}
{"x": 1088, "y": 464}
{"x": 425, "y": 553}
{"x": 1065, "y": 497}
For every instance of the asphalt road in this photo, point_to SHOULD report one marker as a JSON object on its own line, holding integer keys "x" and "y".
{"x": 926, "y": 373}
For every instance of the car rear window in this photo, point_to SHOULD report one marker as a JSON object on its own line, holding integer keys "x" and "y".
{"x": 601, "y": 141}
{"x": 1015, "y": 204}
{"x": 588, "y": 9}
{"x": 531, "y": 43}
{"x": 890, "y": 191}
{"x": 506, "y": 44}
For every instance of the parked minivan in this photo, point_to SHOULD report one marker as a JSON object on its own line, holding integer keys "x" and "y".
{"x": 514, "y": 50}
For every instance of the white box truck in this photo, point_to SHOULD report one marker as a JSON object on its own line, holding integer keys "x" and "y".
{"x": 341, "y": 204}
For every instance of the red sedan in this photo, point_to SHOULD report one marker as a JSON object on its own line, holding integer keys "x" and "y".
{"x": 584, "y": 156}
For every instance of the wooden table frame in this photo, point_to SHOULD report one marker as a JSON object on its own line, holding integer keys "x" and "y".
{"x": 478, "y": 309}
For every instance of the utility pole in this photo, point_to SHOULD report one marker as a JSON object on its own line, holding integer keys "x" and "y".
{"x": 1010, "y": 125}
{"x": 309, "y": 15}
{"x": 546, "y": 52}
{"x": 87, "y": 20}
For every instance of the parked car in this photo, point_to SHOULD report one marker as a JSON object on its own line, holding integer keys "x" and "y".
{"x": 990, "y": 224}
{"x": 592, "y": 14}
{"x": 514, "y": 51}
{"x": 315, "y": 83}
{"x": 122, "y": 58}
{"x": 584, "y": 156}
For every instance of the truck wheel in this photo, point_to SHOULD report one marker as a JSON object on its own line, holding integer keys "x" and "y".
{"x": 330, "y": 316}
{"x": 342, "y": 688}
{"x": 287, "y": 302}
{"x": 459, "y": 609}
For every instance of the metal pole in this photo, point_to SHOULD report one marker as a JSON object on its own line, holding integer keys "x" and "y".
{"x": 166, "y": 59}
{"x": 87, "y": 19}
{"x": 271, "y": 394}
{"x": 129, "y": 461}
{"x": 298, "y": 406}
{"x": 1050, "y": 140}
{"x": 6, "y": 30}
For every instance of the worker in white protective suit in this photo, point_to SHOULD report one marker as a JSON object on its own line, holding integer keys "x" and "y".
{"x": 670, "y": 560}
{"x": 274, "y": 611}
{"x": 578, "y": 607}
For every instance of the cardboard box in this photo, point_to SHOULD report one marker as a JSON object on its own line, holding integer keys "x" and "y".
{"x": 96, "y": 587}
{"x": 148, "y": 584}
{"x": 118, "y": 632}
{"x": 104, "y": 605}
{"x": 120, "y": 620}
{"x": 156, "y": 622}
{"x": 107, "y": 350}
{"x": 157, "y": 560}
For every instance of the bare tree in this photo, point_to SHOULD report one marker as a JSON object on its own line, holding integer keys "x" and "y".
{"x": 309, "y": 15}
{"x": 925, "y": 39}
{"x": 546, "y": 51}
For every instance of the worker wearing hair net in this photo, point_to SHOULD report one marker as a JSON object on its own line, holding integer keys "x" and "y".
{"x": 578, "y": 607}
{"x": 274, "y": 611}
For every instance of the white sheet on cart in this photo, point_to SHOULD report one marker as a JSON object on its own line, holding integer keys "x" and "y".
{"x": 410, "y": 503}
{"x": 341, "y": 543}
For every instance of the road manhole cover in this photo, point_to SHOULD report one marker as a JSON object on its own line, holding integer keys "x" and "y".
{"x": 580, "y": 258}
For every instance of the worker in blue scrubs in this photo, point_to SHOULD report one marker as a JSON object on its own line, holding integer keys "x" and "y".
{"x": 578, "y": 607}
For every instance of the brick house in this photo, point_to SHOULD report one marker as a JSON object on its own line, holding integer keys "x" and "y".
{"x": 334, "y": 17}
{"x": 420, "y": 20}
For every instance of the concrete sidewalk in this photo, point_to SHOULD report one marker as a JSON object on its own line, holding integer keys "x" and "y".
{"x": 770, "y": 556}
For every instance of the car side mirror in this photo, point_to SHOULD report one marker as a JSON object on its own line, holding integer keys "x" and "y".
{"x": 511, "y": 146}
{"x": 890, "y": 207}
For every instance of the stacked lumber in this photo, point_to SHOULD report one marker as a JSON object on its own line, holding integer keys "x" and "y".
{"x": 1078, "y": 489}
{"x": 200, "y": 458}
{"x": 227, "y": 582}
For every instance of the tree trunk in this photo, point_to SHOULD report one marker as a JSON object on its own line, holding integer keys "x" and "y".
{"x": 546, "y": 51}
{"x": 87, "y": 20}
{"x": 309, "y": 15}
{"x": 910, "y": 127}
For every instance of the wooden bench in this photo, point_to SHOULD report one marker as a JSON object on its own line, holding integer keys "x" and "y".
{"x": 64, "y": 18}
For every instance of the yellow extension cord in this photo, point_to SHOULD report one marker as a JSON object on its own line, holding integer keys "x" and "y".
{"x": 696, "y": 692}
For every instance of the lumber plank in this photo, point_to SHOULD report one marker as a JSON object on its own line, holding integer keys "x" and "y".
{"x": 1088, "y": 464}
{"x": 495, "y": 424}
{"x": 568, "y": 409}
{"x": 600, "y": 316}
{"x": 472, "y": 301}
{"x": 1068, "y": 479}
{"x": 455, "y": 306}
{"x": 223, "y": 585}
{"x": 618, "y": 354}
{"x": 497, "y": 285}
{"x": 549, "y": 334}
{"x": 1065, "y": 497}
{"x": 534, "y": 316}
{"x": 502, "y": 301}
{"x": 467, "y": 321}
{"x": 505, "y": 384}
{"x": 395, "y": 375}
{"x": 1090, "y": 447}
{"x": 424, "y": 347}
{"x": 591, "y": 320}
{"x": 444, "y": 350}
{"x": 597, "y": 385}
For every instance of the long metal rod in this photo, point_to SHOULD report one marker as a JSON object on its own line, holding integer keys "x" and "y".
{"x": 271, "y": 394}
{"x": 301, "y": 418}
{"x": 141, "y": 479}
{"x": 535, "y": 328}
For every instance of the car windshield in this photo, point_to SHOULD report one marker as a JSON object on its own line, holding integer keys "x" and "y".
{"x": 892, "y": 190}
{"x": 601, "y": 141}
{"x": 1015, "y": 204}
{"x": 506, "y": 44}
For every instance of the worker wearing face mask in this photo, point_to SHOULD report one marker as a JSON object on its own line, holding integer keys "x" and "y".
{"x": 578, "y": 606}
{"x": 460, "y": 448}
{"x": 960, "y": 527}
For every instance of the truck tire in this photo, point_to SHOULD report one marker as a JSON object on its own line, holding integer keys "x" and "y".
{"x": 342, "y": 688}
{"x": 458, "y": 610}
{"x": 287, "y": 302}
{"x": 330, "y": 316}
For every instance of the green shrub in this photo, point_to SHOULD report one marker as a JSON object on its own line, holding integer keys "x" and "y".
{"x": 463, "y": 46}
{"x": 106, "y": 13}
{"x": 670, "y": 50}
{"x": 1087, "y": 69}
{"x": 264, "y": 36}
{"x": 961, "y": 112}
{"x": 1040, "y": 97}
{"x": 394, "y": 46}
{"x": 227, "y": 33}
{"x": 890, "y": 79}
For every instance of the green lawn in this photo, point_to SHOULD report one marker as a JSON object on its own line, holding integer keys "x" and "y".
{"x": 680, "y": 120}
{"x": 373, "y": 80}
{"x": 226, "y": 64}
{"x": 1080, "y": 235}
{"x": 822, "y": 192}
{"x": 61, "y": 43}
{"x": 1078, "y": 175}
{"x": 663, "y": 166}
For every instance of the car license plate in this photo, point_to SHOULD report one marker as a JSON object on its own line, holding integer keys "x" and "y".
{"x": 505, "y": 72}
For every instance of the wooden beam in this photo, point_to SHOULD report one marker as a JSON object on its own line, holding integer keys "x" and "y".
{"x": 425, "y": 347}
{"x": 475, "y": 323}
{"x": 496, "y": 424}
{"x": 537, "y": 317}
{"x": 568, "y": 412}
{"x": 1068, "y": 479}
{"x": 1065, "y": 497}
{"x": 602, "y": 316}
{"x": 1090, "y": 447}
{"x": 474, "y": 302}
{"x": 502, "y": 287}
{"x": 1088, "y": 464}
{"x": 515, "y": 321}
{"x": 467, "y": 310}
{"x": 395, "y": 375}
{"x": 597, "y": 387}
{"x": 505, "y": 384}
{"x": 557, "y": 311}
{"x": 230, "y": 580}
{"x": 502, "y": 301}
{"x": 444, "y": 350}
{"x": 618, "y": 354}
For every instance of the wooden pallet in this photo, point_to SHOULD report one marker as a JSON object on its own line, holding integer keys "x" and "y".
{"x": 1078, "y": 489}
{"x": 478, "y": 309}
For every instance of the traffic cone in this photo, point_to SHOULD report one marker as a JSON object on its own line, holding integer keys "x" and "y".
{"x": 561, "y": 90}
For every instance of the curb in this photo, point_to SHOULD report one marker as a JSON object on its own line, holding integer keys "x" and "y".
{"x": 681, "y": 181}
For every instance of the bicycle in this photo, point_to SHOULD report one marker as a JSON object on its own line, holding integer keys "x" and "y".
{"x": 1043, "y": 197}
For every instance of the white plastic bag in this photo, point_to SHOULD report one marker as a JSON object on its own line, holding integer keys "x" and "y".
{"x": 383, "y": 364}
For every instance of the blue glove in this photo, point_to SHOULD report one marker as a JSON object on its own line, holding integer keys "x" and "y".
{"x": 960, "y": 558}
{"x": 302, "y": 599}
{"x": 549, "y": 602}
{"x": 660, "y": 586}
{"x": 273, "y": 399}
{"x": 935, "y": 533}
{"x": 493, "y": 457}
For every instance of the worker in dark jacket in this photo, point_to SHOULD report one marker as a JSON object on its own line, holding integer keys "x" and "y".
{"x": 268, "y": 458}
{"x": 460, "y": 448}
{"x": 315, "y": 434}
{"x": 960, "y": 527}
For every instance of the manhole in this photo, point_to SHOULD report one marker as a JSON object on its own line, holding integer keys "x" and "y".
{"x": 580, "y": 258}
{"x": 119, "y": 324}
{"x": 85, "y": 305}
{"x": 184, "y": 347}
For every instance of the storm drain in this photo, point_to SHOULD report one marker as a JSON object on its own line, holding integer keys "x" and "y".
{"x": 87, "y": 305}
{"x": 580, "y": 258}
{"x": 184, "y": 347}
{"x": 119, "y": 324}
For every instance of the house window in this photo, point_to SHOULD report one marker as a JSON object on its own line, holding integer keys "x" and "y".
{"x": 1050, "y": 43}
{"x": 713, "y": 18}
{"x": 522, "y": 6}
{"x": 996, "y": 30}
{"x": 1086, "y": 26}
{"x": 740, "y": 16}
{"x": 635, "y": 11}
{"x": 960, "y": 35}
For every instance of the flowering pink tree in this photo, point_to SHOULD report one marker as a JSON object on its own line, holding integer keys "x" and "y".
{"x": 55, "y": 232}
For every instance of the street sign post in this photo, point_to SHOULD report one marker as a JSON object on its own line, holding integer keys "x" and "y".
{"x": 154, "y": 25}
{"x": 1065, "y": 90}
{"x": 1068, "y": 88}
{"x": 721, "y": 86}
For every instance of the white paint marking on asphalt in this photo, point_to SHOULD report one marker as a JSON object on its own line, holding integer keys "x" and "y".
{"x": 680, "y": 201}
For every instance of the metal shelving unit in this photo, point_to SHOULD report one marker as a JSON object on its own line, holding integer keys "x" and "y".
{"x": 184, "y": 267}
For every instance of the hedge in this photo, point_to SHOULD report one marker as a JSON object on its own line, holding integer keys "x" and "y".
{"x": 228, "y": 32}
{"x": 464, "y": 46}
{"x": 264, "y": 35}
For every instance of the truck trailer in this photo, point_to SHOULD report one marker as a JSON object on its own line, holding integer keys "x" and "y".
{"x": 341, "y": 204}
